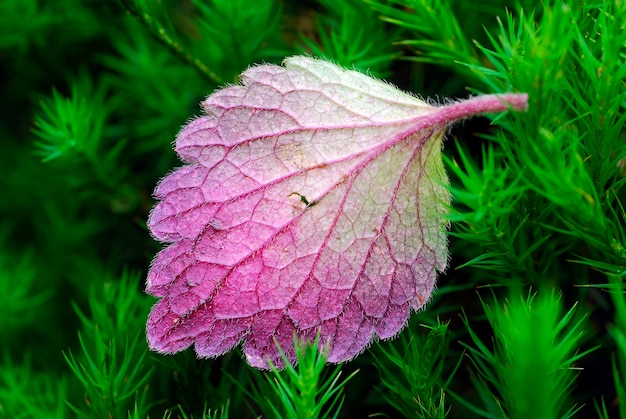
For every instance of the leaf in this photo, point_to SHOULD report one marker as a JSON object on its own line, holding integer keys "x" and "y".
{"x": 313, "y": 200}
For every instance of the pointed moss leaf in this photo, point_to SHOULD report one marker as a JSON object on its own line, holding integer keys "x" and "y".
{"x": 311, "y": 201}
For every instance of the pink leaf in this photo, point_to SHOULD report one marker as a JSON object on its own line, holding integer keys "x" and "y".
{"x": 312, "y": 201}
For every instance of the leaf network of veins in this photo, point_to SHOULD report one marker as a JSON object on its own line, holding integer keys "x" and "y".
{"x": 428, "y": 127}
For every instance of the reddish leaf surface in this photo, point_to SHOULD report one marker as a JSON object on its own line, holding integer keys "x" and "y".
{"x": 311, "y": 202}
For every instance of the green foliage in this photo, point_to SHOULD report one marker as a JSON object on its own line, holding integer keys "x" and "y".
{"x": 351, "y": 35}
{"x": 19, "y": 296}
{"x": 196, "y": 387}
{"x": 113, "y": 374}
{"x": 221, "y": 413}
{"x": 28, "y": 393}
{"x": 432, "y": 27}
{"x": 618, "y": 333}
{"x": 32, "y": 23}
{"x": 412, "y": 373}
{"x": 93, "y": 95}
{"x": 488, "y": 197}
{"x": 307, "y": 390}
{"x": 71, "y": 126}
{"x": 112, "y": 382}
{"x": 218, "y": 38}
{"x": 531, "y": 367}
